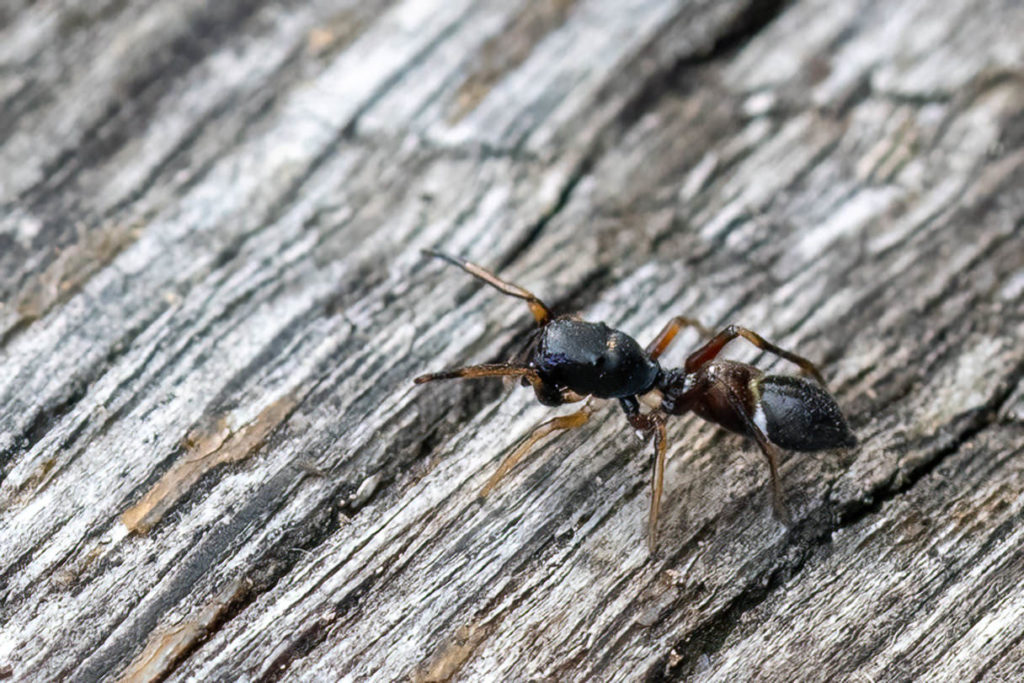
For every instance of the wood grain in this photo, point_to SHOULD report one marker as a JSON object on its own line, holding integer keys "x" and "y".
{"x": 214, "y": 464}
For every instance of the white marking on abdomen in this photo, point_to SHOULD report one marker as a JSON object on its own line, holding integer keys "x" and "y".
{"x": 760, "y": 420}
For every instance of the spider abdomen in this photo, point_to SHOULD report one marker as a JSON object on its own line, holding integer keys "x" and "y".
{"x": 800, "y": 415}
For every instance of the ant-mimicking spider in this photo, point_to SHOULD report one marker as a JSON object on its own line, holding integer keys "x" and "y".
{"x": 568, "y": 359}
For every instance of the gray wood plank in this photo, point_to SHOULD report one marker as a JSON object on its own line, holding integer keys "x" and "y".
{"x": 212, "y": 302}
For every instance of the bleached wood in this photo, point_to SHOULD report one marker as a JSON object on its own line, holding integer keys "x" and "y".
{"x": 212, "y": 304}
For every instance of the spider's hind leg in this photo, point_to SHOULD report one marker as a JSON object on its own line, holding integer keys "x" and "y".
{"x": 771, "y": 454}
{"x": 707, "y": 353}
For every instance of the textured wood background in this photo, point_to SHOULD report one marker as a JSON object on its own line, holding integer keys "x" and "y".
{"x": 212, "y": 303}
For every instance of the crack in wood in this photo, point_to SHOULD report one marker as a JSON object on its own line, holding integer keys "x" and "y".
{"x": 113, "y": 129}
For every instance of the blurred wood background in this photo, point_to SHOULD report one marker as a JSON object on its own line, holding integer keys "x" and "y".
{"x": 212, "y": 304}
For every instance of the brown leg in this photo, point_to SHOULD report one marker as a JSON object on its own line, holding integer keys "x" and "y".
{"x": 657, "y": 483}
{"x": 547, "y": 394}
{"x": 669, "y": 332}
{"x": 487, "y": 370}
{"x": 537, "y": 307}
{"x": 653, "y": 422}
{"x": 569, "y": 396}
{"x": 712, "y": 348}
{"x": 770, "y": 453}
{"x": 571, "y": 421}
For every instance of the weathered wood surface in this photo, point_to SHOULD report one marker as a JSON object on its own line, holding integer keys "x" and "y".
{"x": 214, "y": 463}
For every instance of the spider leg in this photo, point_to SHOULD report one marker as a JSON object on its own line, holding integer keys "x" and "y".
{"x": 540, "y": 312}
{"x": 769, "y": 451}
{"x": 669, "y": 332}
{"x": 547, "y": 394}
{"x": 571, "y": 421}
{"x": 714, "y": 346}
{"x": 486, "y": 370}
{"x": 657, "y": 484}
{"x": 652, "y": 422}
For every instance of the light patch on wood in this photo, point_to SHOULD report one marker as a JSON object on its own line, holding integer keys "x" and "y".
{"x": 167, "y": 646}
{"x": 339, "y": 31}
{"x": 33, "y": 482}
{"x": 966, "y": 384}
{"x": 205, "y": 452}
{"x": 73, "y": 267}
{"x": 452, "y": 656}
{"x": 335, "y": 34}
{"x": 507, "y": 50}
{"x": 69, "y": 576}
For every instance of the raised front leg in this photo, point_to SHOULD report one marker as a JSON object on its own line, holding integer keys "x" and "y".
{"x": 547, "y": 394}
{"x": 486, "y": 370}
{"x": 541, "y": 313}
